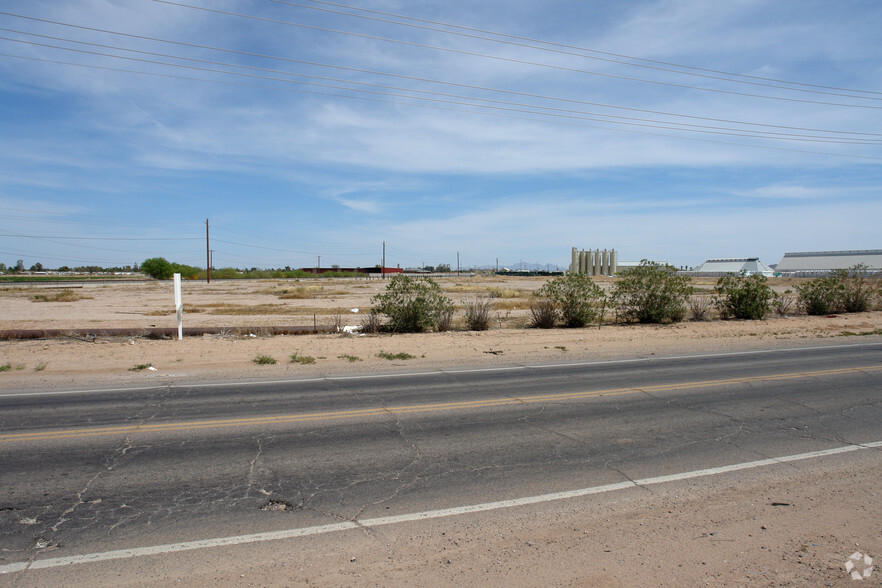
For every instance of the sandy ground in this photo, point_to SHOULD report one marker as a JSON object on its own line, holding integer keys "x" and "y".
{"x": 720, "y": 532}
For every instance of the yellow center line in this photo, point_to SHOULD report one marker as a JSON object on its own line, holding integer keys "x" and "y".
{"x": 411, "y": 409}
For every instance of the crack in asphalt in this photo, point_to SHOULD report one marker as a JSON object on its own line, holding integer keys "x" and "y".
{"x": 417, "y": 455}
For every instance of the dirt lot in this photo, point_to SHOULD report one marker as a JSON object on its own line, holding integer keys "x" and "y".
{"x": 246, "y": 308}
{"x": 705, "y": 533}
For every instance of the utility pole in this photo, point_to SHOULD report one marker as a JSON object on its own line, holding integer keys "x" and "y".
{"x": 319, "y": 266}
{"x": 383, "y": 267}
{"x": 207, "y": 256}
{"x": 457, "y": 263}
{"x": 211, "y": 259}
{"x": 497, "y": 265}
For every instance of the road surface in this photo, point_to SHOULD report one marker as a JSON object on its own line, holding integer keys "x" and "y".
{"x": 84, "y": 474}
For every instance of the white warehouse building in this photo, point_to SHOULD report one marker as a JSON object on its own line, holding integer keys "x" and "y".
{"x": 736, "y": 265}
{"x": 815, "y": 263}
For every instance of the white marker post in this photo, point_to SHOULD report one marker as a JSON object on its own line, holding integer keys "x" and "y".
{"x": 179, "y": 307}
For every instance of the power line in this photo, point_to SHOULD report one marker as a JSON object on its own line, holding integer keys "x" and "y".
{"x": 380, "y": 73}
{"x": 513, "y": 60}
{"x": 691, "y": 70}
{"x": 437, "y": 107}
{"x": 456, "y": 99}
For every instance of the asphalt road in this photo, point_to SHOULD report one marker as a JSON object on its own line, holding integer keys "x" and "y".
{"x": 85, "y": 472}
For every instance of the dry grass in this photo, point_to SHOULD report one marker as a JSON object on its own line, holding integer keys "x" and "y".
{"x": 285, "y": 292}
{"x": 66, "y": 295}
{"x": 226, "y": 309}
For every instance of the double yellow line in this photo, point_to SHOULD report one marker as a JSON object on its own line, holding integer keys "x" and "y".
{"x": 410, "y": 409}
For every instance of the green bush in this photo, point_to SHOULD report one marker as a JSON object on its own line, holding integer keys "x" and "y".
{"x": 577, "y": 299}
{"x": 857, "y": 291}
{"x": 412, "y": 304}
{"x": 820, "y": 296}
{"x": 158, "y": 268}
{"x": 652, "y": 293}
{"x": 842, "y": 291}
{"x": 743, "y": 297}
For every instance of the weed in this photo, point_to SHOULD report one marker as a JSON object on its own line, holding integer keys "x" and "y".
{"x": 784, "y": 304}
{"x": 392, "y": 356}
{"x": 5, "y": 367}
{"x": 371, "y": 323}
{"x": 477, "y": 313}
{"x": 264, "y": 360}
{"x": 853, "y": 334}
{"x": 140, "y": 367}
{"x": 700, "y": 307}
{"x": 561, "y": 347}
{"x": 41, "y": 365}
{"x": 351, "y": 358}
{"x": 301, "y": 359}
{"x": 544, "y": 313}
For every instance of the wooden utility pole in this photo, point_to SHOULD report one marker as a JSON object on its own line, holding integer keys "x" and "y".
{"x": 207, "y": 256}
{"x": 457, "y": 263}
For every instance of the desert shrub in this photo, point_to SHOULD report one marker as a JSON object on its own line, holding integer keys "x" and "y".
{"x": 842, "y": 291}
{"x": 819, "y": 296}
{"x": 578, "y": 300}
{"x": 264, "y": 360}
{"x": 477, "y": 313}
{"x": 158, "y": 268}
{"x": 412, "y": 304}
{"x": 544, "y": 313}
{"x": 652, "y": 293}
{"x": 857, "y": 291}
{"x": 700, "y": 307}
{"x": 743, "y": 297}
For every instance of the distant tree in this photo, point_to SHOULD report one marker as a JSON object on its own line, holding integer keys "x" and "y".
{"x": 64, "y": 268}
{"x": 19, "y": 265}
{"x": 442, "y": 267}
{"x": 37, "y": 267}
{"x": 158, "y": 268}
{"x": 429, "y": 268}
{"x": 2, "y": 267}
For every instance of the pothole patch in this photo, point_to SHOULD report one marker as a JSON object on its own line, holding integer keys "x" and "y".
{"x": 278, "y": 505}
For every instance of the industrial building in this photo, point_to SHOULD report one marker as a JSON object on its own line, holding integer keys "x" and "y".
{"x": 819, "y": 263}
{"x": 722, "y": 267}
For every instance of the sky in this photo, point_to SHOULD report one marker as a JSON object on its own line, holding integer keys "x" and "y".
{"x": 506, "y": 132}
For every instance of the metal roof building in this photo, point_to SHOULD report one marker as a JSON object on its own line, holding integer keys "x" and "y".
{"x": 808, "y": 263}
{"x": 721, "y": 267}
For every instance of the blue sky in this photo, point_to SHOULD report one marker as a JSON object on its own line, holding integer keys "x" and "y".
{"x": 677, "y": 130}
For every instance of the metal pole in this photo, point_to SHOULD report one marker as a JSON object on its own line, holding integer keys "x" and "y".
{"x": 383, "y": 267}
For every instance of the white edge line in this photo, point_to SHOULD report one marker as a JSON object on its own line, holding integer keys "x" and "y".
{"x": 417, "y": 516}
{"x": 177, "y": 385}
